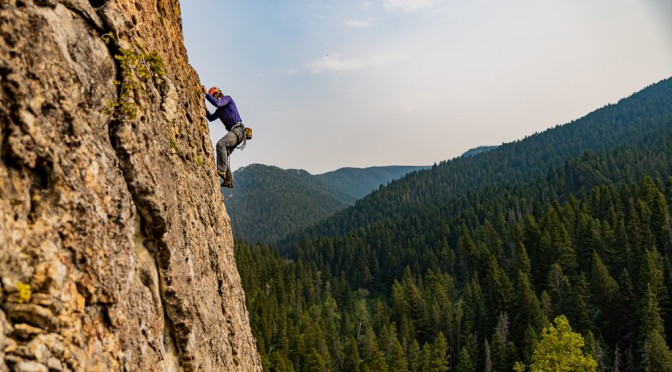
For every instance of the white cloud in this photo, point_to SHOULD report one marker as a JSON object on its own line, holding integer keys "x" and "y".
{"x": 337, "y": 63}
{"x": 357, "y": 23}
{"x": 407, "y": 5}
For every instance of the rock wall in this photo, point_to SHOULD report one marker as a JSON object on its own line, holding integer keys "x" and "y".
{"x": 116, "y": 250}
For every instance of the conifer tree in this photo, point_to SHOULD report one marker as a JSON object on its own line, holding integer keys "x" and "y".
{"x": 604, "y": 287}
{"x": 605, "y": 293}
{"x": 617, "y": 360}
{"x": 529, "y": 344}
{"x": 499, "y": 357}
{"x": 425, "y": 361}
{"x": 315, "y": 362}
{"x": 397, "y": 361}
{"x": 662, "y": 225}
{"x": 415, "y": 357}
{"x": 440, "y": 356}
{"x": 657, "y": 355}
{"x": 595, "y": 349}
{"x": 650, "y": 315}
{"x": 527, "y": 310}
{"x": 497, "y": 288}
{"x": 581, "y": 309}
{"x": 559, "y": 289}
{"x": 522, "y": 260}
{"x": 280, "y": 363}
{"x": 487, "y": 364}
{"x": 465, "y": 362}
{"x": 469, "y": 314}
{"x": 352, "y": 358}
{"x": 651, "y": 273}
{"x": 668, "y": 190}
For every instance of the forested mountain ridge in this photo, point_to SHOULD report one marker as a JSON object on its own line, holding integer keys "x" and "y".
{"x": 350, "y": 184}
{"x": 271, "y": 202}
{"x": 477, "y": 150}
{"x": 632, "y": 120}
{"x": 466, "y": 280}
{"x": 479, "y": 286}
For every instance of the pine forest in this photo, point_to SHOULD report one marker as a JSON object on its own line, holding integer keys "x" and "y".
{"x": 551, "y": 253}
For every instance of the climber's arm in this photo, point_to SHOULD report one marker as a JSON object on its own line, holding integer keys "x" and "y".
{"x": 218, "y": 102}
{"x": 211, "y": 116}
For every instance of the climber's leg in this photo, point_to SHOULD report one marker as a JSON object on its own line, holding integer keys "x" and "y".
{"x": 224, "y": 146}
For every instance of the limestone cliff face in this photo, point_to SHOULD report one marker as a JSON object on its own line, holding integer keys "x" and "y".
{"x": 116, "y": 250}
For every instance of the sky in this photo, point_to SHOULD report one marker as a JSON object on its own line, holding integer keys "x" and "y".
{"x": 332, "y": 84}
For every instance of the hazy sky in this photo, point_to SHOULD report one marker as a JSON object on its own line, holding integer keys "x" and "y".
{"x": 330, "y": 84}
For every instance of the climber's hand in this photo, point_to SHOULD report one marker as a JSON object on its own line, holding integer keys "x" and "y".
{"x": 204, "y": 90}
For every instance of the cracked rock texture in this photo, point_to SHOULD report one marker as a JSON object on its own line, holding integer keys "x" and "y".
{"x": 116, "y": 250}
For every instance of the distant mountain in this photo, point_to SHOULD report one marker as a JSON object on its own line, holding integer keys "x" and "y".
{"x": 270, "y": 203}
{"x": 350, "y": 184}
{"x": 477, "y": 150}
{"x": 633, "y": 121}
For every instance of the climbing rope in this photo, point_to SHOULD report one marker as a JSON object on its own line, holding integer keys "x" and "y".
{"x": 241, "y": 146}
{"x": 233, "y": 212}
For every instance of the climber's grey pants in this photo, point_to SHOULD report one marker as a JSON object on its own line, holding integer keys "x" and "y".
{"x": 227, "y": 144}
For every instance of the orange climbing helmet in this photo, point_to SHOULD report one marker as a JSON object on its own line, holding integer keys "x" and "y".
{"x": 214, "y": 90}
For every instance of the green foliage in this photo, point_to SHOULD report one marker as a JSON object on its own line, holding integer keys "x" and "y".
{"x": 560, "y": 350}
{"x": 440, "y": 356}
{"x": 173, "y": 145}
{"x": 199, "y": 160}
{"x": 657, "y": 354}
{"x": 519, "y": 367}
{"x": 465, "y": 363}
{"x": 352, "y": 358}
{"x": 397, "y": 359}
{"x": 137, "y": 66}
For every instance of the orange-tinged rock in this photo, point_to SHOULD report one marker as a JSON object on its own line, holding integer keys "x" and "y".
{"x": 114, "y": 230}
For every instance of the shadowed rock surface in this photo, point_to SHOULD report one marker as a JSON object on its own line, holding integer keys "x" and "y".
{"x": 116, "y": 250}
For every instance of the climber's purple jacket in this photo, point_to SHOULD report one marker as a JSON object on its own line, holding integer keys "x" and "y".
{"x": 226, "y": 111}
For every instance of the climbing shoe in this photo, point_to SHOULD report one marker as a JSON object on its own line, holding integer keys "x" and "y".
{"x": 226, "y": 179}
{"x": 227, "y": 182}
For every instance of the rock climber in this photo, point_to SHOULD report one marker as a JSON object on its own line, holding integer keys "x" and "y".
{"x": 227, "y": 112}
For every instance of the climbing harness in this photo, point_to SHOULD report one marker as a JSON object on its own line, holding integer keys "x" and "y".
{"x": 247, "y": 135}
